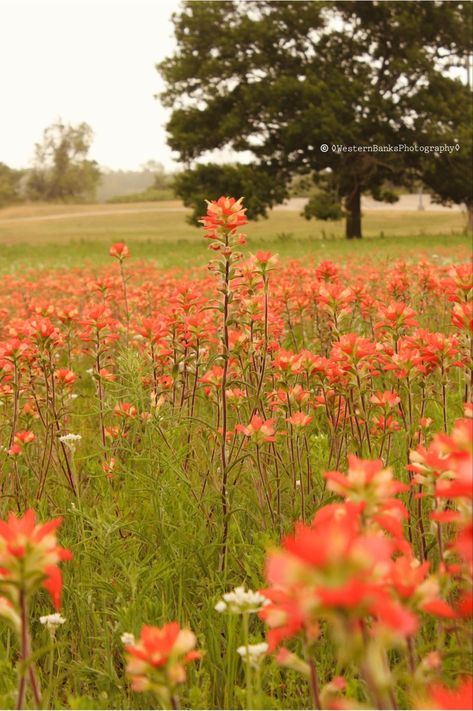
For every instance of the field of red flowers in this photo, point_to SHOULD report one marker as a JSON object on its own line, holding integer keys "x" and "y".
{"x": 247, "y": 487}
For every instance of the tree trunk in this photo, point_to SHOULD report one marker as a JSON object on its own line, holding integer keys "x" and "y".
{"x": 353, "y": 217}
{"x": 469, "y": 214}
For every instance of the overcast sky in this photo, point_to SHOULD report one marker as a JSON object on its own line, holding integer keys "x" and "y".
{"x": 85, "y": 60}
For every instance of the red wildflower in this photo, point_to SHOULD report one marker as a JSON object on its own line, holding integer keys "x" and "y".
{"x": 387, "y": 399}
{"x": 259, "y": 430}
{"x": 283, "y": 617}
{"x": 396, "y": 317}
{"x": 29, "y": 556}
{"x": 65, "y": 376}
{"x": 300, "y": 419}
{"x": 119, "y": 250}
{"x": 25, "y": 437}
{"x": 226, "y": 212}
{"x": 462, "y": 316}
{"x": 125, "y": 409}
{"x": 367, "y": 481}
{"x": 156, "y": 662}
{"x": 441, "y": 697}
{"x": 265, "y": 259}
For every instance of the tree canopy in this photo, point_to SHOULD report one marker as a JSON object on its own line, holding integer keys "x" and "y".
{"x": 272, "y": 82}
{"x": 450, "y": 174}
{"x": 62, "y": 171}
{"x": 10, "y": 185}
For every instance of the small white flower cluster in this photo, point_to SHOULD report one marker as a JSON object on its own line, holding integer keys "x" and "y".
{"x": 52, "y": 622}
{"x": 254, "y": 653}
{"x": 127, "y": 638}
{"x": 70, "y": 440}
{"x": 241, "y": 600}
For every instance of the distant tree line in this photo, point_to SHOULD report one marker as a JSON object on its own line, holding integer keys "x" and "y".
{"x": 10, "y": 185}
{"x": 150, "y": 183}
{"x": 62, "y": 172}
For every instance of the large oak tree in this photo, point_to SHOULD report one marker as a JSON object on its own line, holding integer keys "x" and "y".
{"x": 274, "y": 81}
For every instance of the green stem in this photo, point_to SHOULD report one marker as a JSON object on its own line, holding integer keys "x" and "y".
{"x": 49, "y": 693}
{"x": 246, "y": 642}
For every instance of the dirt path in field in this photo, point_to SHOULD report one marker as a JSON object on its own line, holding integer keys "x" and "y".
{"x": 91, "y": 213}
{"x": 405, "y": 203}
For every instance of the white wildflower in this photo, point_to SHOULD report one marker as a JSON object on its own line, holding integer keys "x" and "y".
{"x": 70, "y": 440}
{"x": 52, "y": 622}
{"x": 128, "y": 638}
{"x": 240, "y": 600}
{"x": 254, "y": 653}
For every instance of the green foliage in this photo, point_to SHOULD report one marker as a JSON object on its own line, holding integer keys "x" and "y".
{"x": 323, "y": 206}
{"x": 448, "y": 174}
{"x": 62, "y": 172}
{"x": 301, "y": 186}
{"x": 385, "y": 195}
{"x": 9, "y": 185}
{"x": 276, "y": 80}
{"x": 211, "y": 181}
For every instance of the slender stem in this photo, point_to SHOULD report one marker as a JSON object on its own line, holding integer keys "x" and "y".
{"x": 100, "y": 392}
{"x": 25, "y": 653}
{"x": 370, "y": 679}
{"x": 444, "y": 406}
{"x": 314, "y": 684}
{"x": 264, "y": 484}
{"x": 265, "y": 343}
{"x": 125, "y": 298}
{"x": 50, "y": 675}
{"x": 423, "y": 551}
{"x": 35, "y": 687}
{"x": 16, "y": 393}
{"x": 246, "y": 642}
{"x": 411, "y": 655}
{"x": 223, "y": 404}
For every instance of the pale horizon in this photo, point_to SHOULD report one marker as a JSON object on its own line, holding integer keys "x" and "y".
{"x": 86, "y": 60}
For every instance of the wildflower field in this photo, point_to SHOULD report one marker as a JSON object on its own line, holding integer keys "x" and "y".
{"x": 241, "y": 486}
